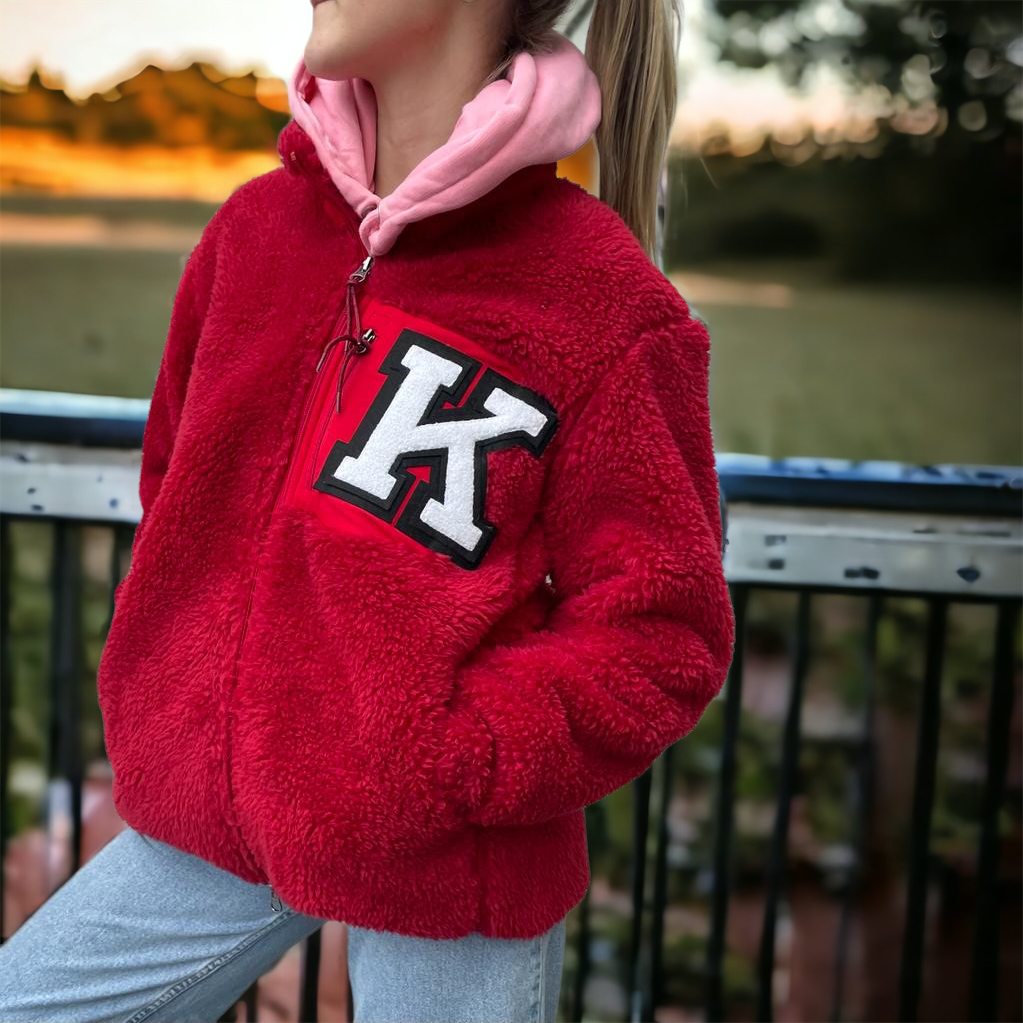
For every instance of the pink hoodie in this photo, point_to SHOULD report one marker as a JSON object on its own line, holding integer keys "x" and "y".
{"x": 545, "y": 109}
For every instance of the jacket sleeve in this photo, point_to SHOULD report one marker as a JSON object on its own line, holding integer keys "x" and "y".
{"x": 188, "y": 312}
{"x": 641, "y": 635}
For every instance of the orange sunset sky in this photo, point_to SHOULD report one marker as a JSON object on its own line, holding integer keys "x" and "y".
{"x": 89, "y": 45}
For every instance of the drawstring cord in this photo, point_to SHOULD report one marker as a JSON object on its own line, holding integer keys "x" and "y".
{"x": 356, "y": 341}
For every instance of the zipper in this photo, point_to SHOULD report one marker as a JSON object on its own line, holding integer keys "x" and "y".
{"x": 318, "y": 414}
{"x": 356, "y": 277}
{"x": 275, "y": 898}
{"x": 357, "y": 340}
{"x": 357, "y": 343}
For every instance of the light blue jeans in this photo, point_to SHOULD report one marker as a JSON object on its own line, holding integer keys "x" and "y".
{"x": 146, "y": 932}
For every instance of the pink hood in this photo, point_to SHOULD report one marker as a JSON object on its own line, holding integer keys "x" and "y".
{"x": 545, "y": 109}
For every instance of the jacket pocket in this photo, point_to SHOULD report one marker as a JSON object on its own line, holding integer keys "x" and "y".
{"x": 340, "y": 726}
{"x": 415, "y": 451}
{"x": 465, "y": 763}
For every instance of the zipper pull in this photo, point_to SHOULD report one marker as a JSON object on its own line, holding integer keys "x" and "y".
{"x": 359, "y": 346}
{"x": 357, "y": 341}
{"x": 274, "y": 897}
{"x": 359, "y": 274}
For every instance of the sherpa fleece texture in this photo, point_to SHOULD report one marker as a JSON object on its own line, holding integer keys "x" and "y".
{"x": 392, "y": 705}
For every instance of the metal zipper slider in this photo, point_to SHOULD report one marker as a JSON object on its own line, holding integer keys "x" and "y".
{"x": 356, "y": 339}
{"x": 358, "y": 275}
{"x": 274, "y": 897}
{"x": 358, "y": 346}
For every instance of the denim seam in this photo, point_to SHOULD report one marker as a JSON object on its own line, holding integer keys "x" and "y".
{"x": 536, "y": 958}
{"x": 213, "y": 965}
{"x": 545, "y": 960}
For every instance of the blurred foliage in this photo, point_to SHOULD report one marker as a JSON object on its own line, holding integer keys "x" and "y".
{"x": 195, "y": 105}
{"x": 923, "y": 185}
{"x": 823, "y": 843}
{"x": 967, "y": 54}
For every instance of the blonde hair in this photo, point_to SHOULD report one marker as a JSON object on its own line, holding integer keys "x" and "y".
{"x": 631, "y": 47}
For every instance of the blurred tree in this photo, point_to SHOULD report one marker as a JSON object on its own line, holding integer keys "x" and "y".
{"x": 966, "y": 55}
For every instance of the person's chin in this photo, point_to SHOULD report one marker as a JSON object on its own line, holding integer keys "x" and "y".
{"x": 325, "y": 61}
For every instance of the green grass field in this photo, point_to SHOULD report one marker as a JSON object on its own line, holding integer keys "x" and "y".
{"x": 909, "y": 372}
{"x": 919, "y": 374}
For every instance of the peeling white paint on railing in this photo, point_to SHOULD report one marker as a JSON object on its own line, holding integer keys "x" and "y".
{"x": 65, "y": 481}
{"x": 858, "y": 549}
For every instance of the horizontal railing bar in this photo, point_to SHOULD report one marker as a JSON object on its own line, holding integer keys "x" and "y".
{"x": 899, "y": 486}
{"x": 826, "y": 552}
{"x": 852, "y": 587}
{"x": 859, "y": 549}
{"x": 62, "y": 482}
{"x": 59, "y": 417}
{"x": 884, "y": 591}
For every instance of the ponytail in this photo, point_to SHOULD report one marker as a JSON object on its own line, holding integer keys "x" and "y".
{"x": 631, "y": 46}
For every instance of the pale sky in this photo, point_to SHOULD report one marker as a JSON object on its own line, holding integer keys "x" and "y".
{"x": 92, "y": 44}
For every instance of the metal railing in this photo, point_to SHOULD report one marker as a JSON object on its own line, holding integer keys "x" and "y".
{"x": 809, "y": 528}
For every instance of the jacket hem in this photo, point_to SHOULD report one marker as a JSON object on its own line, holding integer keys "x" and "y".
{"x": 500, "y": 882}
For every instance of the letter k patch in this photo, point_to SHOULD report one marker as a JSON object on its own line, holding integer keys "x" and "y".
{"x": 436, "y": 407}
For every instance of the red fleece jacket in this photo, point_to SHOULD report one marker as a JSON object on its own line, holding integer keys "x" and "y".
{"x": 386, "y": 633}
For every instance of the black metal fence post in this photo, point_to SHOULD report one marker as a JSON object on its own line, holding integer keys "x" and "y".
{"x": 788, "y": 783}
{"x": 984, "y": 980}
{"x": 923, "y": 800}
{"x": 724, "y": 818}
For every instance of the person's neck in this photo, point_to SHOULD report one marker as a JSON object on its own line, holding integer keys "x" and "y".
{"x": 418, "y": 102}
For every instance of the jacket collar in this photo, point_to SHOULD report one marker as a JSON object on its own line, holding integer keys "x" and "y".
{"x": 511, "y": 133}
{"x": 299, "y": 156}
